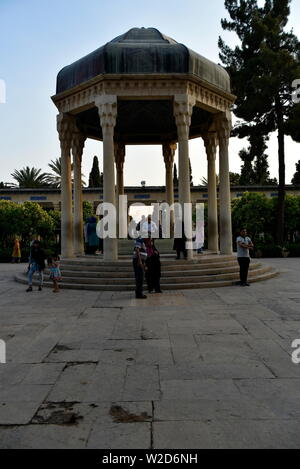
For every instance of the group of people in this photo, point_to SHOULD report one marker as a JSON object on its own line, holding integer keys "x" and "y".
{"x": 37, "y": 265}
{"x": 146, "y": 260}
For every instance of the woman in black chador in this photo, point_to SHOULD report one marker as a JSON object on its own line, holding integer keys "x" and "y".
{"x": 153, "y": 267}
{"x": 180, "y": 245}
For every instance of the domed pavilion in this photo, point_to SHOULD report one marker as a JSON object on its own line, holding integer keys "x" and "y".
{"x": 144, "y": 88}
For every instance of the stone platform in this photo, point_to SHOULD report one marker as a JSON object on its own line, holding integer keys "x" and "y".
{"x": 201, "y": 368}
{"x": 205, "y": 271}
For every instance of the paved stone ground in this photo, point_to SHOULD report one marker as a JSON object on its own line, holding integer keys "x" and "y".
{"x": 188, "y": 369}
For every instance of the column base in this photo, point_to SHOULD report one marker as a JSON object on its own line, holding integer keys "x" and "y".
{"x": 110, "y": 247}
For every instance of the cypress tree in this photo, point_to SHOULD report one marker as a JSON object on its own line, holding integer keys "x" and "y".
{"x": 296, "y": 178}
{"x": 95, "y": 179}
{"x": 175, "y": 177}
{"x": 263, "y": 68}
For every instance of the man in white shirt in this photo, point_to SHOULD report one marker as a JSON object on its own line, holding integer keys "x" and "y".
{"x": 149, "y": 229}
{"x": 244, "y": 244}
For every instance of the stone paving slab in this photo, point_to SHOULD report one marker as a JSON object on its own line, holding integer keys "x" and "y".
{"x": 116, "y": 436}
{"x": 17, "y": 413}
{"x": 230, "y": 434}
{"x": 199, "y": 389}
{"x": 104, "y": 370}
{"x": 142, "y": 384}
{"x": 217, "y": 409}
{"x": 216, "y": 370}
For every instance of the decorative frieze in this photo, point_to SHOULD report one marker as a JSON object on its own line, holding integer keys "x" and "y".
{"x": 144, "y": 89}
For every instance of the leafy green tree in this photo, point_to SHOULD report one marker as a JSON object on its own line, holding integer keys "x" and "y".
{"x": 263, "y": 68}
{"x": 253, "y": 211}
{"x": 56, "y": 217}
{"x": 88, "y": 210}
{"x": 30, "y": 177}
{"x": 25, "y": 220}
{"x": 175, "y": 176}
{"x": 95, "y": 178}
{"x": 292, "y": 125}
{"x": 35, "y": 221}
{"x": 234, "y": 179}
{"x": 247, "y": 173}
{"x": 292, "y": 212}
{"x": 10, "y": 216}
{"x": 296, "y": 178}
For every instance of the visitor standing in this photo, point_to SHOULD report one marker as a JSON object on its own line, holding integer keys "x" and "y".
{"x": 55, "y": 275}
{"x": 16, "y": 254}
{"x": 180, "y": 245}
{"x": 149, "y": 228}
{"x": 36, "y": 264}
{"x": 92, "y": 237}
{"x": 153, "y": 267}
{"x": 244, "y": 244}
{"x": 139, "y": 259}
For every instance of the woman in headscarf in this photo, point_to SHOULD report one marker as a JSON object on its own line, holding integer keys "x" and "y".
{"x": 180, "y": 245}
{"x": 153, "y": 267}
{"x": 16, "y": 254}
{"x": 36, "y": 264}
{"x": 92, "y": 238}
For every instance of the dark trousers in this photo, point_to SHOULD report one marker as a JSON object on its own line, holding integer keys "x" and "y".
{"x": 153, "y": 273}
{"x": 184, "y": 251}
{"x": 139, "y": 278}
{"x": 244, "y": 267}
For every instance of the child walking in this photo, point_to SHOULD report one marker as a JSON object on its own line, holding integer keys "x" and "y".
{"x": 55, "y": 275}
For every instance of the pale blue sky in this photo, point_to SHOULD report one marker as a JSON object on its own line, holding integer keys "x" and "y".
{"x": 39, "y": 37}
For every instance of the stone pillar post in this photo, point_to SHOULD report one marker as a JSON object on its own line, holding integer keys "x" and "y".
{"x": 223, "y": 126}
{"x": 107, "y": 108}
{"x": 183, "y": 109}
{"x": 64, "y": 128}
{"x": 210, "y": 142}
{"x": 77, "y": 149}
{"x": 120, "y": 159}
{"x": 168, "y": 153}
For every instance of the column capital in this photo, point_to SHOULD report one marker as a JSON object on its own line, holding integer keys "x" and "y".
{"x": 223, "y": 125}
{"x": 210, "y": 142}
{"x": 107, "y": 109}
{"x": 169, "y": 149}
{"x": 78, "y": 141}
{"x": 65, "y": 125}
{"x": 183, "y": 110}
{"x": 119, "y": 155}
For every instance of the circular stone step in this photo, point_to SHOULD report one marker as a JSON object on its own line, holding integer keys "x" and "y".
{"x": 208, "y": 271}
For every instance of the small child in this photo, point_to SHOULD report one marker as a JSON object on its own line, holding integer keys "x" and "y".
{"x": 55, "y": 275}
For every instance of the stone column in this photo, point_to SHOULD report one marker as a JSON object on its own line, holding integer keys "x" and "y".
{"x": 183, "y": 109}
{"x": 64, "y": 128}
{"x": 223, "y": 126}
{"x": 77, "y": 149}
{"x": 210, "y": 142}
{"x": 169, "y": 152}
{"x": 120, "y": 159}
{"x": 107, "y": 108}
